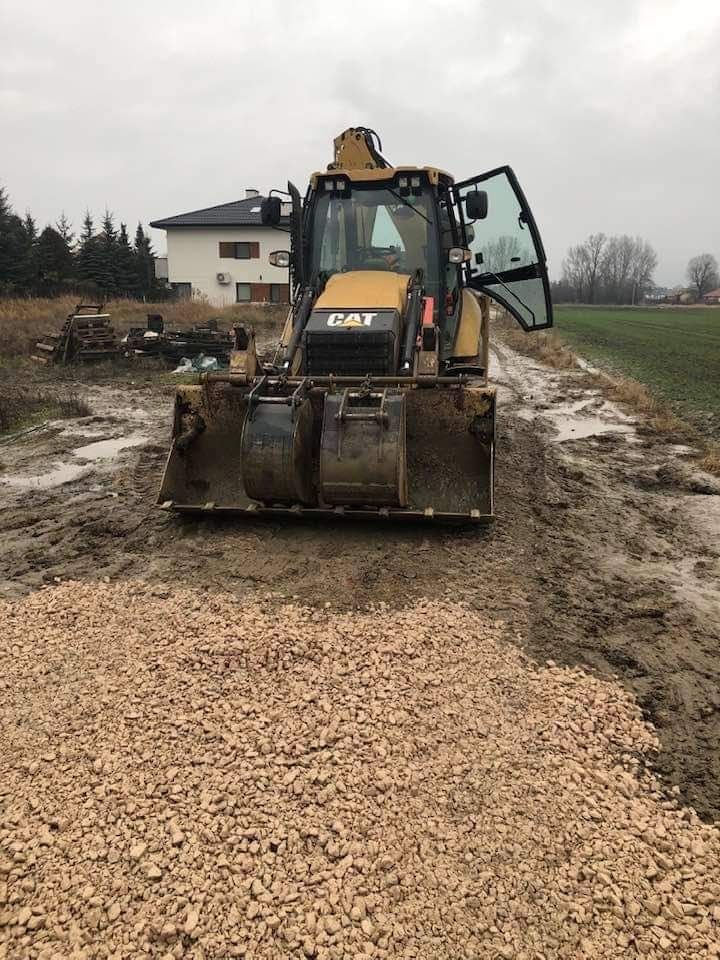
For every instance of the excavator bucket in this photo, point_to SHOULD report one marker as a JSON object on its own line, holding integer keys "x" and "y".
{"x": 365, "y": 450}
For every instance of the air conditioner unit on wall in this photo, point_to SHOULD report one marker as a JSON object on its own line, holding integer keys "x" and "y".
{"x": 223, "y": 277}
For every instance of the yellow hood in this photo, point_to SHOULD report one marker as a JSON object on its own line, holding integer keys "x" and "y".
{"x": 365, "y": 289}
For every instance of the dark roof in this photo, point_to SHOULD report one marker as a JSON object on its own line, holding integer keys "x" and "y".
{"x": 238, "y": 213}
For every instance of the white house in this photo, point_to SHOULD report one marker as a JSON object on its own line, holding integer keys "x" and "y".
{"x": 221, "y": 253}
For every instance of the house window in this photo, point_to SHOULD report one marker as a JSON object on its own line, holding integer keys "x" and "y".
{"x": 182, "y": 291}
{"x": 276, "y": 292}
{"x": 241, "y": 250}
{"x": 243, "y": 293}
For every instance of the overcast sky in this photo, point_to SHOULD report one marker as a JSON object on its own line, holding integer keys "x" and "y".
{"x": 608, "y": 110}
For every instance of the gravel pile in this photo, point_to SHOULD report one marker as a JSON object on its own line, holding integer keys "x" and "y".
{"x": 186, "y": 775}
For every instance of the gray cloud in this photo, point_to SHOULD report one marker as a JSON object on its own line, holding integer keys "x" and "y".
{"x": 608, "y": 112}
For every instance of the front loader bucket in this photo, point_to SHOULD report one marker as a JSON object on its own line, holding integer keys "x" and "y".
{"x": 446, "y": 456}
{"x": 205, "y": 473}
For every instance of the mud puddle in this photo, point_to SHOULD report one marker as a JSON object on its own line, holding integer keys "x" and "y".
{"x": 86, "y": 450}
{"x": 540, "y": 394}
{"x": 86, "y": 459}
{"x": 580, "y": 419}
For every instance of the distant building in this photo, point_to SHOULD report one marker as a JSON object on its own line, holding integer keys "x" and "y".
{"x": 221, "y": 253}
{"x": 679, "y": 296}
{"x": 712, "y": 298}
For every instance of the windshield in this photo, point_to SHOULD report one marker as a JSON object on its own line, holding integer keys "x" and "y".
{"x": 375, "y": 229}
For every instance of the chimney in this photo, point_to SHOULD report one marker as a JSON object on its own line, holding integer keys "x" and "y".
{"x": 250, "y": 193}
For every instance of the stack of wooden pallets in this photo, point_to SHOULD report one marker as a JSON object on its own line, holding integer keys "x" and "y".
{"x": 86, "y": 336}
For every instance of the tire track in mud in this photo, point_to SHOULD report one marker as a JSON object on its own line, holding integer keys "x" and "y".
{"x": 610, "y": 535}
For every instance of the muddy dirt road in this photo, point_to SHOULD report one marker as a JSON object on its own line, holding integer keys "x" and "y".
{"x": 606, "y": 551}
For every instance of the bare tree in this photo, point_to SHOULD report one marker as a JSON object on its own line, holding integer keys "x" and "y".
{"x": 504, "y": 253}
{"x": 702, "y": 273}
{"x": 616, "y": 269}
{"x": 644, "y": 263}
{"x": 581, "y": 267}
{"x": 595, "y": 244}
{"x": 609, "y": 269}
{"x": 575, "y": 271}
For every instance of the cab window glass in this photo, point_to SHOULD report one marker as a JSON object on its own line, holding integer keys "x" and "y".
{"x": 507, "y": 259}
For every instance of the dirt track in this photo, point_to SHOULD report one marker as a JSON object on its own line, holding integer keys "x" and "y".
{"x": 605, "y": 552}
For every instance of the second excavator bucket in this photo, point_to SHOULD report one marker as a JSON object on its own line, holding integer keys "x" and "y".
{"x": 376, "y": 450}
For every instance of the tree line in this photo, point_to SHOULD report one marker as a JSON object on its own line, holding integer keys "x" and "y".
{"x": 603, "y": 269}
{"x": 102, "y": 262}
{"x": 619, "y": 270}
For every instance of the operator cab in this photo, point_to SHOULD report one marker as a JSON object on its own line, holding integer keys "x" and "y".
{"x": 389, "y": 225}
{"x": 478, "y": 234}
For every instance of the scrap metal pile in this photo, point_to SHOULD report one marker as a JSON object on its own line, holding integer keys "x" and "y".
{"x": 87, "y": 335}
{"x": 174, "y": 345}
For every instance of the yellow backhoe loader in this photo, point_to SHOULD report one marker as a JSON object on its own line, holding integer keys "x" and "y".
{"x": 377, "y": 402}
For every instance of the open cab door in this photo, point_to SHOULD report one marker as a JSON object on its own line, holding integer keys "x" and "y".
{"x": 508, "y": 259}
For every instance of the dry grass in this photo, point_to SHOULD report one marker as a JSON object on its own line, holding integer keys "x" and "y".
{"x": 710, "y": 461}
{"x": 23, "y": 321}
{"x": 22, "y": 405}
{"x": 544, "y": 346}
{"x": 660, "y": 418}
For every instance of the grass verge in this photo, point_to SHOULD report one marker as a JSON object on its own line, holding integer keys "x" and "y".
{"x": 23, "y": 406}
{"x": 673, "y": 351}
{"x": 658, "y": 415}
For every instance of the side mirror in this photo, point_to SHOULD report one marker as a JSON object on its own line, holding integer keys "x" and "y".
{"x": 279, "y": 258}
{"x": 270, "y": 211}
{"x": 476, "y": 205}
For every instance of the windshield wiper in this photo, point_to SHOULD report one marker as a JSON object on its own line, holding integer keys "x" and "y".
{"x": 511, "y": 292}
{"x": 408, "y": 204}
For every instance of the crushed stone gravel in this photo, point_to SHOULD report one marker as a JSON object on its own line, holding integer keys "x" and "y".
{"x": 186, "y": 775}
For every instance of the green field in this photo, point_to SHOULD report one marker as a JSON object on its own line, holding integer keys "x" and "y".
{"x": 674, "y": 351}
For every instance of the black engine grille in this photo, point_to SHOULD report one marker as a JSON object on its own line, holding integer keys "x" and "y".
{"x": 350, "y": 353}
{"x": 351, "y": 343}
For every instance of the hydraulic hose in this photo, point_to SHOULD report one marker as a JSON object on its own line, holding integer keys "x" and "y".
{"x": 307, "y": 298}
{"x": 412, "y": 323}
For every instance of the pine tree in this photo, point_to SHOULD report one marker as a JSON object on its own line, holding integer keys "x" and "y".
{"x": 64, "y": 228}
{"x": 5, "y": 205}
{"x": 88, "y": 230}
{"x": 55, "y": 259}
{"x": 29, "y": 269}
{"x": 14, "y": 249}
{"x": 144, "y": 262}
{"x": 108, "y": 247}
{"x": 90, "y": 255}
{"x": 127, "y": 279}
{"x": 30, "y": 227}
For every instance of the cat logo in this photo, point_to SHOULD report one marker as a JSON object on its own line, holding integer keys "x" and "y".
{"x": 351, "y": 319}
